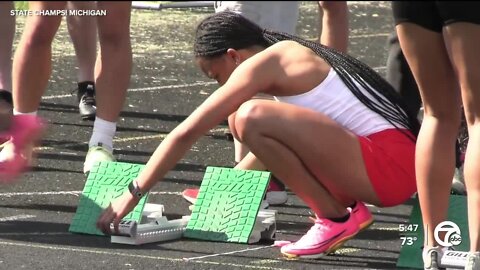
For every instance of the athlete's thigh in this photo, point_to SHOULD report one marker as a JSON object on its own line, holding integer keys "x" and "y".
{"x": 328, "y": 150}
{"x": 462, "y": 40}
{"x": 428, "y": 59}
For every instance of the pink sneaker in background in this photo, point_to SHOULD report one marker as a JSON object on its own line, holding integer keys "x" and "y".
{"x": 191, "y": 194}
{"x": 25, "y": 130}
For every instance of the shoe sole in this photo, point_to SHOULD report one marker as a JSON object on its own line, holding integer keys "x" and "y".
{"x": 87, "y": 172}
{"x": 363, "y": 226}
{"x": 330, "y": 250}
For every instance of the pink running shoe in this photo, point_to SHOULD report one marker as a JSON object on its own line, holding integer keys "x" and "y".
{"x": 191, "y": 194}
{"x": 323, "y": 238}
{"x": 3, "y": 142}
{"x": 362, "y": 215}
{"x": 25, "y": 129}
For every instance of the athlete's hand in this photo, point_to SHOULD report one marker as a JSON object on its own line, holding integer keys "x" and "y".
{"x": 116, "y": 211}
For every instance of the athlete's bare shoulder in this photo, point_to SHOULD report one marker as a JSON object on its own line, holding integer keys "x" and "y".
{"x": 288, "y": 47}
{"x": 290, "y": 51}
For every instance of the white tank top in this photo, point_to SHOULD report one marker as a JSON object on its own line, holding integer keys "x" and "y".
{"x": 333, "y": 98}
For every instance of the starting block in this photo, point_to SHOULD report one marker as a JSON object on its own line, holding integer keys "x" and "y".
{"x": 227, "y": 207}
{"x": 454, "y": 259}
{"x": 154, "y": 227}
{"x": 159, "y": 229}
{"x": 411, "y": 252}
{"x": 106, "y": 181}
{"x": 265, "y": 226}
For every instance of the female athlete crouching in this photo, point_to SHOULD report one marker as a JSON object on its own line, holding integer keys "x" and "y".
{"x": 339, "y": 136}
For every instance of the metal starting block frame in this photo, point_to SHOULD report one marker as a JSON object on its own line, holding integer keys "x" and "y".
{"x": 265, "y": 226}
{"x": 452, "y": 259}
{"x": 157, "y": 228}
{"x": 154, "y": 227}
{"x": 161, "y": 230}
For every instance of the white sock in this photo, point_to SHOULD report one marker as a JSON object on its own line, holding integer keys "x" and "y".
{"x": 103, "y": 132}
{"x": 15, "y": 112}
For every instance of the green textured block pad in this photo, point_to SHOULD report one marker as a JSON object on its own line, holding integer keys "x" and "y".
{"x": 411, "y": 255}
{"x": 106, "y": 181}
{"x": 227, "y": 205}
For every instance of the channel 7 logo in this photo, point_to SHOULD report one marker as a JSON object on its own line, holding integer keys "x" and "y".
{"x": 452, "y": 234}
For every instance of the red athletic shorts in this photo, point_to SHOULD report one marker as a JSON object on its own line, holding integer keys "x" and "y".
{"x": 389, "y": 157}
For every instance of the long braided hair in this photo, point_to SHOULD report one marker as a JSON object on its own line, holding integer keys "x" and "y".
{"x": 221, "y": 31}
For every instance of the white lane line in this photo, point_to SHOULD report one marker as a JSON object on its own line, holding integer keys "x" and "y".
{"x": 143, "y": 89}
{"x": 346, "y": 250}
{"x": 161, "y": 136}
{"x": 225, "y": 253}
{"x": 266, "y": 261}
{"x": 121, "y": 254}
{"x": 118, "y": 140}
{"x": 385, "y": 228}
{"x": 11, "y": 194}
{"x": 75, "y": 193}
{"x": 371, "y": 35}
{"x": 17, "y": 217}
{"x": 379, "y": 68}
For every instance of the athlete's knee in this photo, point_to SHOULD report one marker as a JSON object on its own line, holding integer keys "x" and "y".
{"x": 114, "y": 30}
{"x": 231, "y": 125}
{"x": 445, "y": 115}
{"x": 114, "y": 37}
{"x": 250, "y": 118}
